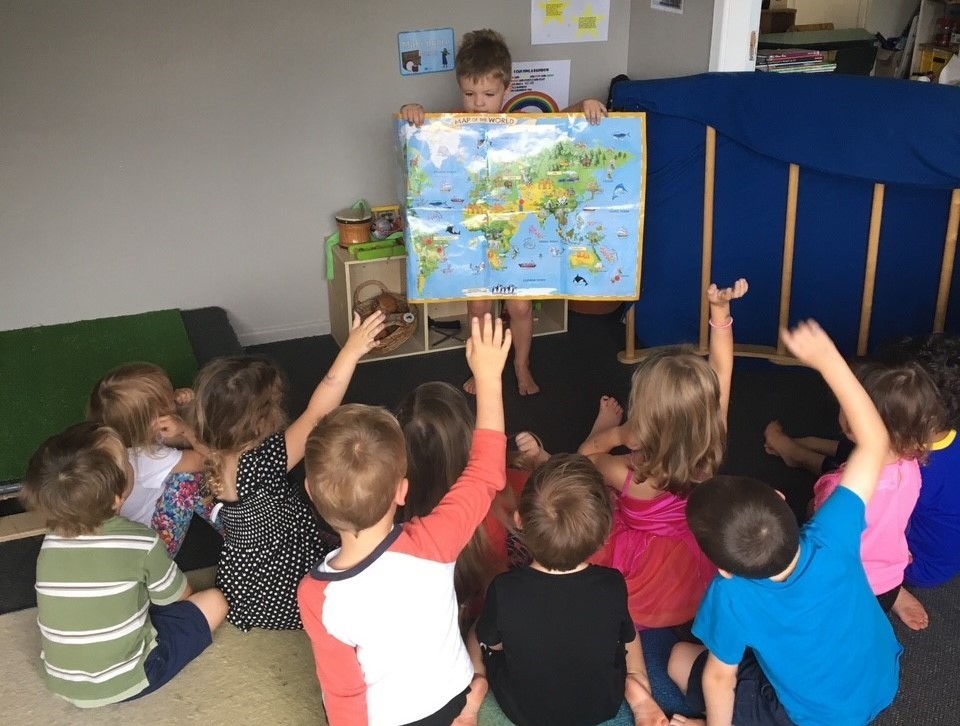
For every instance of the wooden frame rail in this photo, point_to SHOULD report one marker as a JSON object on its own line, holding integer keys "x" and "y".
{"x": 778, "y": 352}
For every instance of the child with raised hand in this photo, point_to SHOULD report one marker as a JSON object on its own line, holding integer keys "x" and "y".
{"x": 676, "y": 431}
{"x": 139, "y": 402}
{"x": 117, "y": 617}
{"x": 559, "y": 645}
{"x": 791, "y": 630}
{"x": 381, "y": 611}
{"x": 272, "y": 537}
{"x": 909, "y": 405}
{"x": 438, "y": 428}
{"x": 484, "y": 71}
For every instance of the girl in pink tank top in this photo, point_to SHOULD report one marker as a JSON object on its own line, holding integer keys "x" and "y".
{"x": 676, "y": 430}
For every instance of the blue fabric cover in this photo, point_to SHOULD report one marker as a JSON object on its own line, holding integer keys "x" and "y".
{"x": 845, "y": 132}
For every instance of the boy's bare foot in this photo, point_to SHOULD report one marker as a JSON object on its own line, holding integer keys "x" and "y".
{"x": 470, "y": 386}
{"x": 645, "y": 710}
{"x": 531, "y": 453}
{"x": 776, "y": 442}
{"x": 910, "y": 610}
{"x": 470, "y": 713}
{"x": 610, "y": 415}
{"x": 525, "y": 381}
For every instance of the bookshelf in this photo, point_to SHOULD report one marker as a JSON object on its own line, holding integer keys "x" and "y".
{"x": 929, "y": 13}
{"x": 549, "y": 316}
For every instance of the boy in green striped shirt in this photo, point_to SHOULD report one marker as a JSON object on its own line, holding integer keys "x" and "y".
{"x": 117, "y": 617}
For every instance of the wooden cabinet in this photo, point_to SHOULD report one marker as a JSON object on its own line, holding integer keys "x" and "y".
{"x": 550, "y": 316}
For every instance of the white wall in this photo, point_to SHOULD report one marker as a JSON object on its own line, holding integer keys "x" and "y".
{"x": 889, "y": 17}
{"x": 185, "y": 153}
{"x": 667, "y": 45}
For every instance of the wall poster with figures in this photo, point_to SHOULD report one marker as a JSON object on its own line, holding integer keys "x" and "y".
{"x": 524, "y": 205}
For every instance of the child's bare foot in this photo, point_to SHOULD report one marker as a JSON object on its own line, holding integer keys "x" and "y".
{"x": 530, "y": 451}
{"x": 525, "y": 381}
{"x": 776, "y": 442}
{"x": 910, "y": 610}
{"x": 645, "y": 710}
{"x": 470, "y": 713}
{"x": 610, "y": 415}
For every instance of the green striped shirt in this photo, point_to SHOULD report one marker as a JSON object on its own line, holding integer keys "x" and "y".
{"x": 93, "y": 597}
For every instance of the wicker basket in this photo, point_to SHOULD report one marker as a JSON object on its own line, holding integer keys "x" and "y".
{"x": 398, "y": 331}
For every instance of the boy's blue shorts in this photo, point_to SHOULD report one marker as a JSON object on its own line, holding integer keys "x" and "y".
{"x": 182, "y": 634}
{"x": 755, "y": 703}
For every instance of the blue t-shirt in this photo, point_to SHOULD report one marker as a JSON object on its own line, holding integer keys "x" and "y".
{"x": 820, "y": 635}
{"x": 934, "y": 529}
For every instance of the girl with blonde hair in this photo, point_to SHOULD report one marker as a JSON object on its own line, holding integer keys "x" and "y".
{"x": 139, "y": 402}
{"x": 676, "y": 433}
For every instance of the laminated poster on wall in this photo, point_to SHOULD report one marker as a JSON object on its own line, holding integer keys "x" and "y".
{"x": 426, "y": 51}
{"x": 536, "y": 206}
{"x": 568, "y": 21}
{"x": 538, "y": 87}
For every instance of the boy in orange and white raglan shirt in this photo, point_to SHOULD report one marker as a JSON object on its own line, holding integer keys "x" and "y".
{"x": 381, "y": 611}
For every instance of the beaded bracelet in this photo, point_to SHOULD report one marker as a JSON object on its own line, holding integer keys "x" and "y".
{"x": 722, "y": 326}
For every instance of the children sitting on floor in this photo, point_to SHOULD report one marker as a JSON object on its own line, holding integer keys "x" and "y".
{"x": 381, "y": 611}
{"x": 934, "y": 529}
{"x": 676, "y": 430}
{"x": 272, "y": 536}
{"x": 911, "y": 411}
{"x": 792, "y": 630}
{"x": 117, "y": 617}
{"x": 138, "y": 401}
{"x": 559, "y": 645}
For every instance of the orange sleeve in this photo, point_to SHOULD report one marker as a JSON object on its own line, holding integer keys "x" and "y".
{"x": 442, "y": 534}
{"x": 338, "y": 670}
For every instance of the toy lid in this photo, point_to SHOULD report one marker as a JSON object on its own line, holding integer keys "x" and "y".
{"x": 353, "y": 216}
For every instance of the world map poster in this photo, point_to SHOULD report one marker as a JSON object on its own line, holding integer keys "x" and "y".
{"x": 523, "y": 205}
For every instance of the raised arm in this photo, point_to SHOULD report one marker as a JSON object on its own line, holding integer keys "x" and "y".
{"x": 811, "y": 345}
{"x": 487, "y": 351}
{"x": 721, "y": 336}
{"x": 330, "y": 391}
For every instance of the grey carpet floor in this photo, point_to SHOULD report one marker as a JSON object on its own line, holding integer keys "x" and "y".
{"x": 267, "y": 677}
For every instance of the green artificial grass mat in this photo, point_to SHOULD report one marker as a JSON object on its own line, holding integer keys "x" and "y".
{"x": 47, "y": 373}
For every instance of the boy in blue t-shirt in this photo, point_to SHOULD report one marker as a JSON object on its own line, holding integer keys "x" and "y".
{"x": 793, "y": 633}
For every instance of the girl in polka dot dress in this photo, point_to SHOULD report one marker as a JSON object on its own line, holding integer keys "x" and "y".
{"x": 272, "y": 537}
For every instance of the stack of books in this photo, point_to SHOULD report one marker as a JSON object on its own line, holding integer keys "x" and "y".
{"x": 793, "y": 60}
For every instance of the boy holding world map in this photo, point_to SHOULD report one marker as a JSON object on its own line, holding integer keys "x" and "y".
{"x": 484, "y": 70}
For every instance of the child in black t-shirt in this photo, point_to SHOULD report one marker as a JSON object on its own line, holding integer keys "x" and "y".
{"x": 558, "y": 644}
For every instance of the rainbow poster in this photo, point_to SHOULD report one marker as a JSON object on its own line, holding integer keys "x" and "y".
{"x": 539, "y": 87}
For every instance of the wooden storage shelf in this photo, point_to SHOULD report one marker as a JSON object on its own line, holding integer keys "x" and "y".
{"x": 550, "y": 316}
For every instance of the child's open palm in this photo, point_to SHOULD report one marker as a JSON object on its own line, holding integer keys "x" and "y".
{"x": 810, "y": 344}
{"x": 363, "y": 335}
{"x": 487, "y": 347}
{"x": 723, "y": 295}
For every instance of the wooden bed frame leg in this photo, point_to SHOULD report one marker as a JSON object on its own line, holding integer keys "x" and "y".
{"x": 629, "y": 355}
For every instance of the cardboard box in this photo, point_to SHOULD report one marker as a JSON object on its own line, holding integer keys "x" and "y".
{"x": 933, "y": 58}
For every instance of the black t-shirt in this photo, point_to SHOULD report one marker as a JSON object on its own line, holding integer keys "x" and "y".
{"x": 563, "y": 660}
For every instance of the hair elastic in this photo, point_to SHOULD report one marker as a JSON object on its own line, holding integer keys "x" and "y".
{"x": 722, "y": 326}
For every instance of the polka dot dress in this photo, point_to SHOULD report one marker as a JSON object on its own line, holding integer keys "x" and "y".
{"x": 272, "y": 539}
